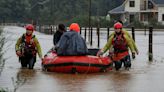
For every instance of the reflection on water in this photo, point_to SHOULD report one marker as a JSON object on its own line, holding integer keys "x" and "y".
{"x": 143, "y": 77}
{"x": 22, "y": 76}
{"x": 102, "y": 82}
{"x": 25, "y": 74}
{"x": 114, "y": 81}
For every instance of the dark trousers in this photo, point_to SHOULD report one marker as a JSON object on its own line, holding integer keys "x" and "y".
{"x": 126, "y": 60}
{"x": 27, "y": 61}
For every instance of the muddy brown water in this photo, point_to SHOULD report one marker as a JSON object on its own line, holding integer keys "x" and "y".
{"x": 142, "y": 77}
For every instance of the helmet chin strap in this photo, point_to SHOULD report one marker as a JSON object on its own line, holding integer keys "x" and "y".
{"x": 28, "y": 34}
{"x": 118, "y": 33}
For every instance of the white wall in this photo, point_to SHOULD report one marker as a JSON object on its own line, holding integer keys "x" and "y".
{"x": 132, "y": 9}
{"x": 160, "y": 12}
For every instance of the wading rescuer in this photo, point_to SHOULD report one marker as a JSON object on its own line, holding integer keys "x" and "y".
{"x": 27, "y": 46}
{"x": 121, "y": 43}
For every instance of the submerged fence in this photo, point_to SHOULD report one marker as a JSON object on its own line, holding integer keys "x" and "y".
{"x": 95, "y": 35}
{"x": 90, "y": 34}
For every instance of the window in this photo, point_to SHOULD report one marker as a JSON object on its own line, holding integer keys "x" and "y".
{"x": 150, "y": 5}
{"x": 162, "y": 17}
{"x": 131, "y": 18}
{"x": 131, "y": 3}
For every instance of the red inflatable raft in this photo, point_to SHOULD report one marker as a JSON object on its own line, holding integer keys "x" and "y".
{"x": 73, "y": 64}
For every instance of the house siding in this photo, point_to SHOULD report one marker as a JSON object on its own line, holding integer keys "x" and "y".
{"x": 160, "y": 13}
{"x": 141, "y": 11}
{"x": 132, "y": 9}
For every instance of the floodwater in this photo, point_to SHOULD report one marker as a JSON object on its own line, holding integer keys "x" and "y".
{"x": 144, "y": 76}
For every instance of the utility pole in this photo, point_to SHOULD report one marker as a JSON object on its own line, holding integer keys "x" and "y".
{"x": 89, "y": 20}
{"x": 41, "y": 3}
{"x": 51, "y": 7}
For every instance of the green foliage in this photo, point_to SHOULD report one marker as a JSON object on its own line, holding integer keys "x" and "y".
{"x": 2, "y": 42}
{"x": 137, "y": 24}
{"x": 159, "y": 25}
{"x": 4, "y": 90}
{"x": 95, "y": 21}
{"x": 153, "y": 22}
{"x": 53, "y": 11}
{"x": 100, "y": 22}
{"x": 105, "y": 23}
{"x": 81, "y": 20}
{"x": 13, "y": 10}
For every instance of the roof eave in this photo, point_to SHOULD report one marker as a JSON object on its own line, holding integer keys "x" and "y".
{"x": 117, "y": 12}
{"x": 160, "y": 5}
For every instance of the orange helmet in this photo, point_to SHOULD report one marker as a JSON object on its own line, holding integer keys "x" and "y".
{"x": 117, "y": 25}
{"x": 74, "y": 27}
{"x": 29, "y": 27}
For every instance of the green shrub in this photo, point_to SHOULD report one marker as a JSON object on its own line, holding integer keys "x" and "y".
{"x": 3, "y": 90}
{"x": 2, "y": 41}
{"x": 154, "y": 23}
{"x": 81, "y": 20}
{"x": 137, "y": 24}
{"x": 95, "y": 21}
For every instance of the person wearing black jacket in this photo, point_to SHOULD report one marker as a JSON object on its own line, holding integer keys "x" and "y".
{"x": 58, "y": 33}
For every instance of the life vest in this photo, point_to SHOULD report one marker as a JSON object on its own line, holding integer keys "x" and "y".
{"x": 119, "y": 56}
{"x": 119, "y": 43}
{"x": 28, "y": 45}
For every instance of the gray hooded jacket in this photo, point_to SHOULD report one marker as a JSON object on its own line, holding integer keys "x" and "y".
{"x": 70, "y": 44}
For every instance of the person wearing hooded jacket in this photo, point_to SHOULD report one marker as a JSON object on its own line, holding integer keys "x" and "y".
{"x": 121, "y": 44}
{"x": 71, "y": 43}
{"x": 58, "y": 33}
{"x": 26, "y": 47}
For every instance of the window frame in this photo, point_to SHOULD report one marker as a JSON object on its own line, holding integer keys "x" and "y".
{"x": 162, "y": 17}
{"x": 131, "y": 3}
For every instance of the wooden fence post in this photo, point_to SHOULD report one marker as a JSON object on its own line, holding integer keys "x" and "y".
{"x": 108, "y": 29}
{"x": 98, "y": 37}
{"x": 51, "y": 29}
{"x": 56, "y": 28}
{"x": 91, "y": 36}
{"x": 39, "y": 28}
{"x": 133, "y": 33}
{"x": 80, "y": 30}
{"x": 150, "y": 43}
{"x": 145, "y": 30}
{"x": 85, "y": 33}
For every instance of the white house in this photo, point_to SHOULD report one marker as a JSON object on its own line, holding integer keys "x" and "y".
{"x": 143, "y": 10}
